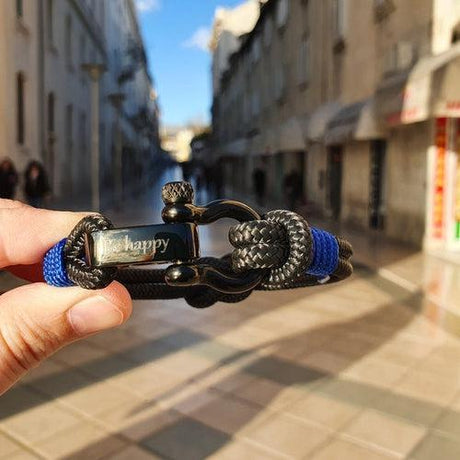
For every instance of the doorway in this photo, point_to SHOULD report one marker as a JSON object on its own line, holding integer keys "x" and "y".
{"x": 377, "y": 174}
{"x": 335, "y": 157}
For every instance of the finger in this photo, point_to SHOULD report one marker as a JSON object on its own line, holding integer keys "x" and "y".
{"x": 26, "y": 233}
{"x": 9, "y": 204}
{"x": 36, "y": 320}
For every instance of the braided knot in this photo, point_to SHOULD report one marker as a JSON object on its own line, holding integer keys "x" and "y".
{"x": 281, "y": 242}
{"x": 296, "y": 254}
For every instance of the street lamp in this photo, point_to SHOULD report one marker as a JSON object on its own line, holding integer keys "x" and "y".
{"x": 95, "y": 72}
{"x": 116, "y": 99}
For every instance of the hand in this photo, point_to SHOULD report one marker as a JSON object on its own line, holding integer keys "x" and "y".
{"x": 36, "y": 319}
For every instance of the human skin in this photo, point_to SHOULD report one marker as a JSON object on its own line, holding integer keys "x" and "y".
{"x": 36, "y": 320}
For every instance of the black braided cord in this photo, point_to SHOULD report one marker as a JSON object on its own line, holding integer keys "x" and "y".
{"x": 280, "y": 244}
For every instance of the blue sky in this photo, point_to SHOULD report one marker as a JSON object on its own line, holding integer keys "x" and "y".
{"x": 175, "y": 33}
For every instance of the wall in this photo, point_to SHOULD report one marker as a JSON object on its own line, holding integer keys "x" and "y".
{"x": 18, "y": 53}
{"x": 355, "y": 183}
{"x": 406, "y": 181}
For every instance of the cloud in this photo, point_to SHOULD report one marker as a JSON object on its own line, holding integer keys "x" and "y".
{"x": 147, "y": 6}
{"x": 199, "y": 39}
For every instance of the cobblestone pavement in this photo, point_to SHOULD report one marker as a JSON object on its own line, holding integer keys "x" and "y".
{"x": 349, "y": 371}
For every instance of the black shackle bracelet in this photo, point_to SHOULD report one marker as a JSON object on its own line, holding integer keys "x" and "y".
{"x": 276, "y": 251}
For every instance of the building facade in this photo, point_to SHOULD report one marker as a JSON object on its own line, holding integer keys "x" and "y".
{"x": 361, "y": 101}
{"x": 47, "y": 48}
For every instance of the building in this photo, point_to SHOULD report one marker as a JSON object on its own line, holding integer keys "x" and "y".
{"x": 176, "y": 142}
{"x": 48, "y": 49}
{"x": 358, "y": 99}
{"x": 228, "y": 26}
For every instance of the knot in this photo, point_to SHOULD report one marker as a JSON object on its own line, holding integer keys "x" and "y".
{"x": 281, "y": 242}
{"x": 325, "y": 253}
{"x": 258, "y": 244}
{"x": 74, "y": 254}
{"x": 295, "y": 254}
{"x": 54, "y": 269}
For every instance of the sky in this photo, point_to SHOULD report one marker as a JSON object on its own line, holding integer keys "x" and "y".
{"x": 176, "y": 33}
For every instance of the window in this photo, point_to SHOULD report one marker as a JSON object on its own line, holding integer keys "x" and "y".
{"x": 280, "y": 81}
{"x": 266, "y": 87}
{"x": 102, "y": 139}
{"x": 268, "y": 32}
{"x": 382, "y": 9}
{"x": 69, "y": 128}
{"x": 50, "y": 21}
{"x": 304, "y": 61}
{"x": 82, "y": 133}
{"x": 19, "y": 9}
{"x": 282, "y": 12}
{"x": 82, "y": 49}
{"x": 51, "y": 108}
{"x": 20, "y": 90}
{"x": 68, "y": 41}
{"x": 339, "y": 18}
{"x": 255, "y": 51}
{"x": 102, "y": 13}
{"x": 400, "y": 56}
{"x": 337, "y": 75}
{"x": 255, "y": 103}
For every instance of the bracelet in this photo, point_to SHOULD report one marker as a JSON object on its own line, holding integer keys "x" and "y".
{"x": 278, "y": 250}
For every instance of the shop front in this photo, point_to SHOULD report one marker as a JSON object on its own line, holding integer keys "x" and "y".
{"x": 421, "y": 109}
{"x": 356, "y": 166}
{"x": 317, "y": 158}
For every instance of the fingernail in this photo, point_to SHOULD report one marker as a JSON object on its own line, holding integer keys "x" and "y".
{"x": 93, "y": 315}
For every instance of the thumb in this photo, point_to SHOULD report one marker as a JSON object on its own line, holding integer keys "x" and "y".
{"x": 36, "y": 320}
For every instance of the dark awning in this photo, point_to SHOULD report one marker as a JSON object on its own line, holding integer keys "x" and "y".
{"x": 355, "y": 121}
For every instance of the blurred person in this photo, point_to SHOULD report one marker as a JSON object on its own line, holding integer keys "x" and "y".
{"x": 36, "y": 186}
{"x": 293, "y": 189}
{"x": 259, "y": 183}
{"x": 36, "y": 320}
{"x": 8, "y": 179}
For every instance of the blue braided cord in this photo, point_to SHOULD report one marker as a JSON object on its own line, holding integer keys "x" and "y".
{"x": 54, "y": 270}
{"x": 325, "y": 253}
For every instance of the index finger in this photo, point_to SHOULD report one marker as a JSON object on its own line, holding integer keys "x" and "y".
{"x": 27, "y": 233}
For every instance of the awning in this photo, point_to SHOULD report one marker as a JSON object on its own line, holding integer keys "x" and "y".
{"x": 430, "y": 89}
{"x": 355, "y": 121}
{"x": 315, "y": 127}
{"x": 235, "y": 148}
{"x": 290, "y": 136}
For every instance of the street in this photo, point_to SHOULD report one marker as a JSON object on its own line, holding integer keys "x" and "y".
{"x": 365, "y": 369}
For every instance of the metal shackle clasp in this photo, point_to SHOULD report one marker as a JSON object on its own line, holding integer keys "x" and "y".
{"x": 180, "y": 209}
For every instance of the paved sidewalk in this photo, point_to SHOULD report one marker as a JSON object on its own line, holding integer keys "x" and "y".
{"x": 349, "y": 371}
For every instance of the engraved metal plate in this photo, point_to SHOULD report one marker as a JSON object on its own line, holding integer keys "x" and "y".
{"x": 142, "y": 245}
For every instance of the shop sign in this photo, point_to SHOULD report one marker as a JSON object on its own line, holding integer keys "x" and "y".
{"x": 439, "y": 177}
{"x": 449, "y": 109}
{"x": 457, "y": 186}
